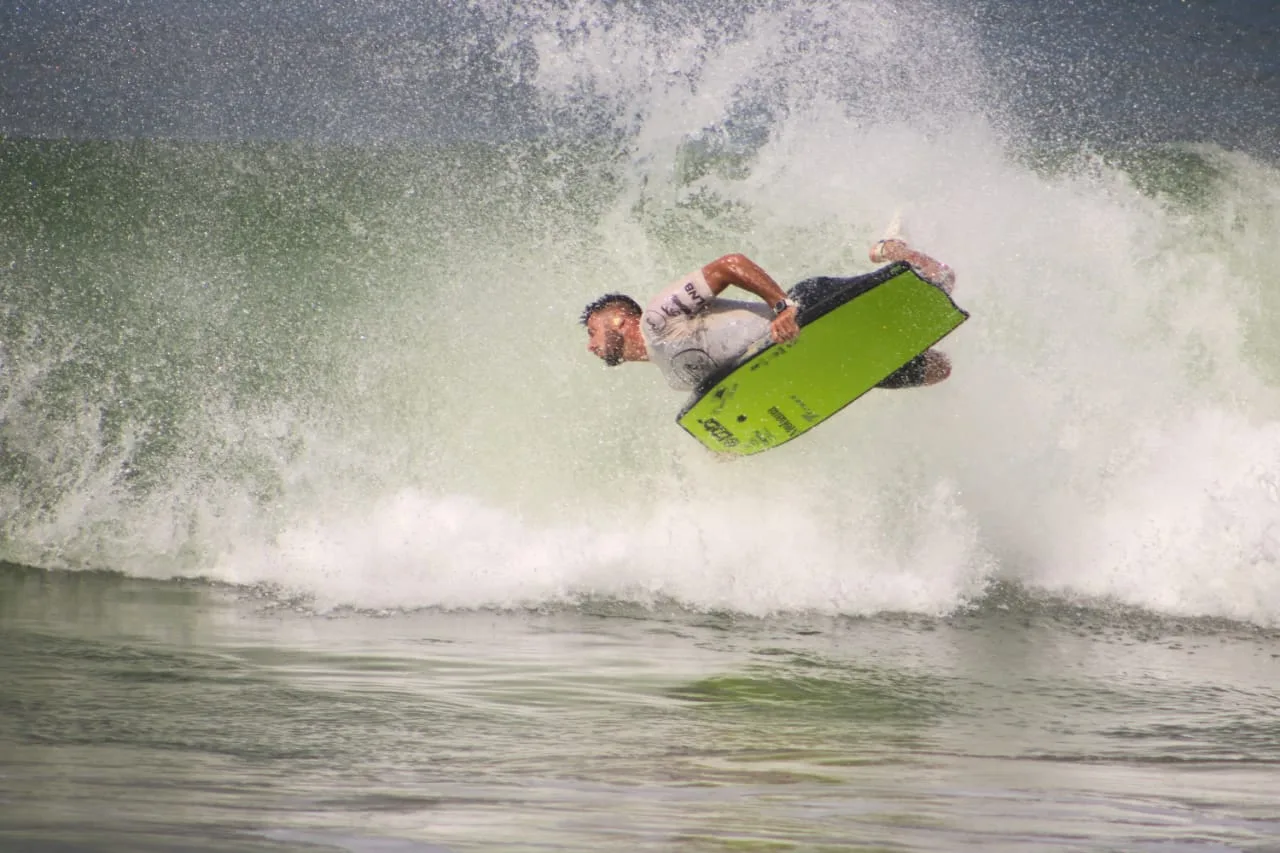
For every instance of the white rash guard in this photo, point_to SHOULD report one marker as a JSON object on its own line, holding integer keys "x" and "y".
{"x": 691, "y": 334}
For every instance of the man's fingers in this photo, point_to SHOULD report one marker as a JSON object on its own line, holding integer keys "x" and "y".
{"x": 785, "y": 329}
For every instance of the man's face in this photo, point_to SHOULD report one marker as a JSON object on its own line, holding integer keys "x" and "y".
{"x": 604, "y": 336}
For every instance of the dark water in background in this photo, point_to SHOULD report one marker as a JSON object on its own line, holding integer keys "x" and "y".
{"x": 1083, "y": 71}
{"x": 343, "y": 540}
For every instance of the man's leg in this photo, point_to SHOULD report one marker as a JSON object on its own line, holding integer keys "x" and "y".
{"x": 931, "y": 366}
{"x": 896, "y": 250}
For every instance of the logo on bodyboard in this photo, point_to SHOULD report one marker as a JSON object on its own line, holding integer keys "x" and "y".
{"x": 719, "y": 432}
{"x": 722, "y": 395}
{"x": 783, "y": 422}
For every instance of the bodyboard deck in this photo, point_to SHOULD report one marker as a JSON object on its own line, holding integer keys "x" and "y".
{"x": 849, "y": 344}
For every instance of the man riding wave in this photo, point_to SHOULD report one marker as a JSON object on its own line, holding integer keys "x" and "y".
{"x": 690, "y": 332}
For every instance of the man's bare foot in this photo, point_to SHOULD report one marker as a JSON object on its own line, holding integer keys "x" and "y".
{"x": 888, "y": 250}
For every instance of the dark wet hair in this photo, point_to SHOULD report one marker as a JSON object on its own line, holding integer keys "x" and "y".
{"x": 620, "y": 301}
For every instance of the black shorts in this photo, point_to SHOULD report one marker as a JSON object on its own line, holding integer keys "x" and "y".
{"x": 816, "y": 296}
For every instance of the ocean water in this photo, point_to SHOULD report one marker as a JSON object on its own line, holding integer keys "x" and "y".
{"x": 320, "y": 529}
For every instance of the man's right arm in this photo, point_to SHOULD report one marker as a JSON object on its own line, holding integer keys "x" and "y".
{"x": 740, "y": 270}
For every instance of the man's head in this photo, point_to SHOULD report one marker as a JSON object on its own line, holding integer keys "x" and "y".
{"x": 613, "y": 329}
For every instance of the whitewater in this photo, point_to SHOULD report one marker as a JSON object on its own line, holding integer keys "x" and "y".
{"x": 363, "y": 382}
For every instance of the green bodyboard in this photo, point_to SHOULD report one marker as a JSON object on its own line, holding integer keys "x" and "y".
{"x": 846, "y": 347}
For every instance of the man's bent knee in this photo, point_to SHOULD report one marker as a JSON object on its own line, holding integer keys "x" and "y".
{"x": 937, "y": 367}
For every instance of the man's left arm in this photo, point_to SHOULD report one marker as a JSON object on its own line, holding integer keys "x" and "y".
{"x": 739, "y": 270}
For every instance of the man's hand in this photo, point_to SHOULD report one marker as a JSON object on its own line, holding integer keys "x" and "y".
{"x": 784, "y": 327}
